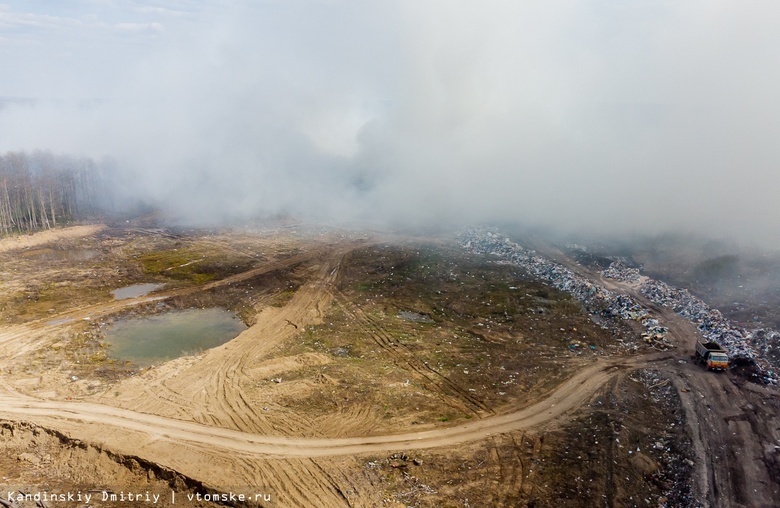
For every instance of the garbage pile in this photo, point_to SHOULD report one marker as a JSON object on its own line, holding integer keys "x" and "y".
{"x": 593, "y": 296}
{"x": 712, "y": 324}
{"x": 620, "y": 272}
{"x": 624, "y": 306}
{"x": 766, "y": 342}
{"x": 483, "y": 241}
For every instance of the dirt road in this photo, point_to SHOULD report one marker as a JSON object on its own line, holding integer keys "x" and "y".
{"x": 76, "y": 417}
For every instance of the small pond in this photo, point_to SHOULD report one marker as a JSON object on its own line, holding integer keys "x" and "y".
{"x": 134, "y": 291}
{"x": 154, "y": 339}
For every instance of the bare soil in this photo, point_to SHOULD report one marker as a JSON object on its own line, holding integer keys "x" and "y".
{"x": 375, "y": 371}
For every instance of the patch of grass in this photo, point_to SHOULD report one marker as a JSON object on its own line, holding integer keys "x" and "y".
{"x": 202, "y": 278}
{"x": 98, "y": 357}
{"x": 41, "y": 300}
{"x": 190, "y": 265}
{"x": 179, "y": 264}
{"x": 161, "y": 262}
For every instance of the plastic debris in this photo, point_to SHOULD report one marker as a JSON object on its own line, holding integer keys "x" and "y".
{"x": 619, "y": 271}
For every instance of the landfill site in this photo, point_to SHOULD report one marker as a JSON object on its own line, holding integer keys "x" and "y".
{"x": 370, "y": 369}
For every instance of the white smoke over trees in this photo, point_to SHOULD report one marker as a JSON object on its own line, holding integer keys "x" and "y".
{"x": 602, "y": 116}
{"x": 40, "y": 190}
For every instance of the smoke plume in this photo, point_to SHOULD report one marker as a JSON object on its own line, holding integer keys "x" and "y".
{"x": 589, "y": 116}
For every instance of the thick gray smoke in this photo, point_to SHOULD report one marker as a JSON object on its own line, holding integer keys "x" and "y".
{"x": 605, "y": 116}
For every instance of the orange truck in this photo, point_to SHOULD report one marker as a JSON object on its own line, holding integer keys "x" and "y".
{"x": 712, "y": 355}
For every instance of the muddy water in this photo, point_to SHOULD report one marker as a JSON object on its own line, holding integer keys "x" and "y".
{"x": 155, "y": 339}
{"x": 414, "y": 316}
{"x": 134, "y": 290}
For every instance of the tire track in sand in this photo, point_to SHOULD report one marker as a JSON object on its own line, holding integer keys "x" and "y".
{"x": 450, "y": 392}
{"x": 76, "y": 417}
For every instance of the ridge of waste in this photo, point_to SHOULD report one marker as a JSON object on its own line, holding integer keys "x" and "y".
{"x": 735, "y": 339}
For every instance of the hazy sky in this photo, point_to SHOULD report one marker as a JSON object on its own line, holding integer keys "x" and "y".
{"x": 604, "y": 115}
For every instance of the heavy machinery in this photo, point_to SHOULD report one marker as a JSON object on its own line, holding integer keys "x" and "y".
{"x": 711, "y": 355}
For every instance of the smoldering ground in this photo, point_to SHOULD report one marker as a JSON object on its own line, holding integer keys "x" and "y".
{"x": 597, "y": 116}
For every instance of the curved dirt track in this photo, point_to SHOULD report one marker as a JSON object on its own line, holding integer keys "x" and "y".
{"x": 73, "y": 416}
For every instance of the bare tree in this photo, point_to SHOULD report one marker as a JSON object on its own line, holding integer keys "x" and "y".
{"x": 40, "y": 190}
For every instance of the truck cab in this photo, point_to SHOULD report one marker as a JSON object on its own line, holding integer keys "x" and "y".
{"x": 711, "y": 355}
{"x": 717, "y": 361}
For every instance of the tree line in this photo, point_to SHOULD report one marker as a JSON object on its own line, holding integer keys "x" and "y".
{"x": 40, "y": 190}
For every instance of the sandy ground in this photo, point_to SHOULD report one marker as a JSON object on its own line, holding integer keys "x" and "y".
{"x": 18, "y": 242}
{"x": 111, "y": 421}
{"x": 194, "y": 415}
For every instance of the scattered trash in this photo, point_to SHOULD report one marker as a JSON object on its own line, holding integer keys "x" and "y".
{"x": 414, "y": 317}
{"x": 341, "y": 352}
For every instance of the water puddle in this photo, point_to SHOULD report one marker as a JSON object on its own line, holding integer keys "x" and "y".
{"x": 414, "y": 316}
{"x": 155, "y": 339}
{"x": 134, "y": 291}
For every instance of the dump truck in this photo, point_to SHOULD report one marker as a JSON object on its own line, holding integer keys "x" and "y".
{"x": 711, "y": 355}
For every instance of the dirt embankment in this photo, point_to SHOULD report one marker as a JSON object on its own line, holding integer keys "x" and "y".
{"x": 18, "y": 242}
